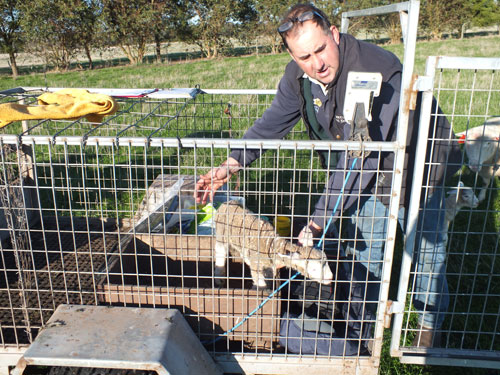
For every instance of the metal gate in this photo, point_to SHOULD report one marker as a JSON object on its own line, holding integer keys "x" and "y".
{"x": 468, "y": 92}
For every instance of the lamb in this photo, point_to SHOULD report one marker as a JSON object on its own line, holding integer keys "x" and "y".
{"x": 482, "y": 146}
{"x": 458, "y": 198}
{"x": 243, "y": 234}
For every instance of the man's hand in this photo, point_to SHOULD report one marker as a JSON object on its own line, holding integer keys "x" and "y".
{"x": 210, "y": 182}
{"x": 308, "y": 233}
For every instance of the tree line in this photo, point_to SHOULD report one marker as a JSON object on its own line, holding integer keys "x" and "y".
{"x": 57, "y": 30}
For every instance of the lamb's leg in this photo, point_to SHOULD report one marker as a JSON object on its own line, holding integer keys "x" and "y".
{"x": 258, "y": 277}
{"x": 263, "y": 279}
{"x": 221, "y": 254}
{"x": 482, "y": 193}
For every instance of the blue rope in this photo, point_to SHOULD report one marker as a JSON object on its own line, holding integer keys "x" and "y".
{"x": 294, "y": 276}
{"x": 336, "y": 204}
{"x": 253, "y": 312}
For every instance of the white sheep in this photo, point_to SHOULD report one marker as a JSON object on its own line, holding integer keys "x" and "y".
{"x": 458, "y": 198}
{"x": 240, "y": 232}
{"x": 482, "y": 146}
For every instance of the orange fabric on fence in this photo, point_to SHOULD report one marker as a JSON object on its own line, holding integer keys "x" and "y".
{"x": 63, "y": 104}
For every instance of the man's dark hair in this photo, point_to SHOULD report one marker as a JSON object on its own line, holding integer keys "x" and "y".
{"x": 293, "y": 14}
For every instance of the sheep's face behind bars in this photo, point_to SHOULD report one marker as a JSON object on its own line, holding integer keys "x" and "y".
{"x": 458, "y": 198}
{"x": 239, "y": 231}
{"x": 482, "y": 146}
{"x": 481, "y": 149}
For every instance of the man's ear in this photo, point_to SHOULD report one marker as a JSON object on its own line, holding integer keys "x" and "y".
{"x": 335, "y": 34}
{"x": 291, "y": 54}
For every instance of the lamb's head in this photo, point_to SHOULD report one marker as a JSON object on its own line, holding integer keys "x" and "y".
{"x": 463, "y": 196}
{"x": 311, "y": 262}
{"x": 479, "y": 149}
{"x": 467, "y": 197}
{"x": 482, "y": 143}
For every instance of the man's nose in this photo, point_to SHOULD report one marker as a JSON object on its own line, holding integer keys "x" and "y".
{"x": 317, "y": 62}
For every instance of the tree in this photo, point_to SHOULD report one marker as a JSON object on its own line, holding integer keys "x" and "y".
{"x": 333, "y": 10}
{"x": 439, "y": 16}
{"x": 86, "y": 15}
{"x": 168, "y": 23}
{"x": 10, "y": 31}
{"x": 269, "y": 14}
{"x": 358, "y": 24}
{"x": 53, "y": 29}
{"x": 127, "y": 24}
{"x": 484, "y": 12}
{"x": 387, "y": 25}
{"x": 214, "y": 22}
{"x": 480, "y": 13}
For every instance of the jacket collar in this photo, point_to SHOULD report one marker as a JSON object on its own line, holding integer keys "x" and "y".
{"x": 341, "y": 47}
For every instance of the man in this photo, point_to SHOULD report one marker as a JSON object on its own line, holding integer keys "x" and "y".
{"x": 321, "y": 60}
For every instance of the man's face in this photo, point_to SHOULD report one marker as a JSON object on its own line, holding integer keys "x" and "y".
{"x": 316, "y": 53}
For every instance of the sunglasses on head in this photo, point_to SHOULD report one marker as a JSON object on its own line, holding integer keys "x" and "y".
{"x": 306, "y": 16}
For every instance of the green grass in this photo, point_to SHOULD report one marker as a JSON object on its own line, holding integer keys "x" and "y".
{"x": 252, "y": 72}
{"x": 264, "y": 72}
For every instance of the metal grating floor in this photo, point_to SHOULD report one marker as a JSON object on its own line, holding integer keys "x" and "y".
{"x": 65, "y": 258}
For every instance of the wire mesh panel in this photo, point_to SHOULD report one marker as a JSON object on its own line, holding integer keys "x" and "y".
{"x": 104, "y": 214}
{"x": 465, "y": 290}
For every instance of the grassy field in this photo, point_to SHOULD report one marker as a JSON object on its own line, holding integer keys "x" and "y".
{"x": 255, "y": 72}
{"x": 251, "y": 72}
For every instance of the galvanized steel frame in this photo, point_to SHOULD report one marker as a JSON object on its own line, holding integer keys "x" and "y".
{"x": 409, "y": 15}
{"x": 289, "y": 364}
{"x": 432, "y": 356}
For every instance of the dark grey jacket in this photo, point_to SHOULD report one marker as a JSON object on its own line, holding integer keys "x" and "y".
{"x": 288, "y": 107}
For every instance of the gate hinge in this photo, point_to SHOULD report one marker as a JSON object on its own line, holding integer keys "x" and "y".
{"x": 423, "y": 83}
{"x": 419, "y": 83}
{"x": 393, "y": 307}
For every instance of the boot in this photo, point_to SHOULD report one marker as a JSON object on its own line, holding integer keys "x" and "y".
{"x": 426, "y": 338}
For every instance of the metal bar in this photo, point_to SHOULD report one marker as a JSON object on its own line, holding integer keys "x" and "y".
{"x": 175, "y": 93}
{"x": 239, "y": 91}
{"x": 479, "y": 63}
{"x": 413, "y": 209}
{"x": 403, "y": 19}
{"x": 392, "y": 8}
{"x": 486, "y": 360}
{"x": 207, "y": 142}
{"x": 403, "y": 119}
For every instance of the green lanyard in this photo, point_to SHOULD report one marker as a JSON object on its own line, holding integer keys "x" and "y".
{"x": 316, "y": 131}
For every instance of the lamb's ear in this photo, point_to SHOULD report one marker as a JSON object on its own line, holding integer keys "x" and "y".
{"x": 452, "y": 192}
{"x": 461, "y": 184}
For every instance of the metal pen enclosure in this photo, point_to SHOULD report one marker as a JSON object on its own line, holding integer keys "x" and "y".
{"x": 86, "y": 221}
{"x": 467, "y": 90}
